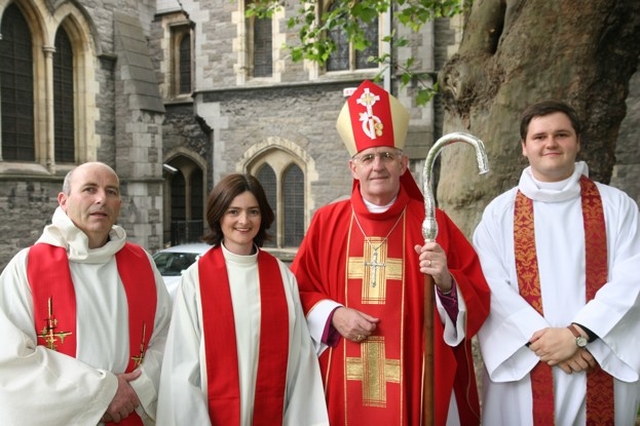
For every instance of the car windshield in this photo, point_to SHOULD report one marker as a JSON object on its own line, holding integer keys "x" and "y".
{"x": 172, "y": 264}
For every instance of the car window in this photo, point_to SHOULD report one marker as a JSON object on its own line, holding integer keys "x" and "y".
{"x": 172, "y": 264}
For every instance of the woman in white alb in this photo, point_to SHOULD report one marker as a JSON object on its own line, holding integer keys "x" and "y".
{"x": 238, "y": 350}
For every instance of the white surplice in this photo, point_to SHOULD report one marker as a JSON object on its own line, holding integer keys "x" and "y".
{"x": 183, "y": 386}
{"x": 39, "y": 386}
{"x": 613, "y": 315}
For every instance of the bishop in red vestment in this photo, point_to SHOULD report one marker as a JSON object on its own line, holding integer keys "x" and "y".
{"x": 361, "y": 271}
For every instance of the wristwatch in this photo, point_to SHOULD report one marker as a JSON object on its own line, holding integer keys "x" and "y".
{"x": 581, "y": 341}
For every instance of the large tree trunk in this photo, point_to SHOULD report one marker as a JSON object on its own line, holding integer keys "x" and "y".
{"x": 515, "y": 53}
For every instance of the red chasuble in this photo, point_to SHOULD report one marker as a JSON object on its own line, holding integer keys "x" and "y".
{"x": 379, "y": 381}
{"x": 54, "y": 301}
{"x": 223, "y": 386}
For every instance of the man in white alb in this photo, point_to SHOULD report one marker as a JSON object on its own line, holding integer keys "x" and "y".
{"x": 561, "y": 255}
{"x": 83, "y": 316}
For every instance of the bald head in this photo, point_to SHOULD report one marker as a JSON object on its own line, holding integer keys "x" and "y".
{"x": 66, "y": 185}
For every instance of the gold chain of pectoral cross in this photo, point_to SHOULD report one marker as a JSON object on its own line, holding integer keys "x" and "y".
{"x": 374, "y": 264}
{"x": 49, "y": 333}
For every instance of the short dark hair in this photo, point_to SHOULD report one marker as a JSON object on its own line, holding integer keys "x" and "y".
{"x": 220, "y": 199}
{"x": 543, "y": 108}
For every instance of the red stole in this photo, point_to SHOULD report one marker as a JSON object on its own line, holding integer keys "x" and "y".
{"x": 223, "y": 386}
{"x": 600, "y": 410}
{"x": 50, "y": 280}
{"x": 374, "y": 370}
{"x": 379, "y": 381}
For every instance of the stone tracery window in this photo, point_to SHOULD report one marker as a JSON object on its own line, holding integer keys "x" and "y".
{"x": 16, "y": 87}
{"x": 267, "y": 178}
{"x": 283, "y": 182}
{"x": 44, "y": 89}
{"x": 293, "y": 200}
{"x": 63, "y": 99}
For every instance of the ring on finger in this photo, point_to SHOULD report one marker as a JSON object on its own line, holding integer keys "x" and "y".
{"x": 429, "y": 263}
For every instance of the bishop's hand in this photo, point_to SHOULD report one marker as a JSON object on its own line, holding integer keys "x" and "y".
{"x": 433, "y": 261}
{"x": 353, "y": 325}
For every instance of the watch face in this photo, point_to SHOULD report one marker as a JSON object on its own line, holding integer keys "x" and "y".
{"x": 581, "y": 341}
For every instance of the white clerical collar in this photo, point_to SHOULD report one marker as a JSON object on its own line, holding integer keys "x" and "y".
{"x": 553, "y": 191}
{"x": 374, "y": 208}
{"x": 241, "y": 259}
{"x": 552, "y": 186}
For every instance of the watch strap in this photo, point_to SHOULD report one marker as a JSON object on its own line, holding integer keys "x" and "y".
{"x": 578, "y": 336}
{"x": 574, "y": 330}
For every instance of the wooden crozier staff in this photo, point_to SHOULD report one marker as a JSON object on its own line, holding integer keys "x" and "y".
{"x": 429, "y": 233}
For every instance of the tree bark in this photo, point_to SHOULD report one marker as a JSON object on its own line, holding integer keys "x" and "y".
{"x": 516, "y": 53}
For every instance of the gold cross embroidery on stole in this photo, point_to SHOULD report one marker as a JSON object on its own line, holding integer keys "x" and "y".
{"x": 374, "y": 268}
{"x": 49, "y": 333}
{"x": 374, "y": 371}
{"x": 137, "y": 359}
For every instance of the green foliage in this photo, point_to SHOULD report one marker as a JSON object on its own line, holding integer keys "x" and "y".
{"x": 313, "y": 26}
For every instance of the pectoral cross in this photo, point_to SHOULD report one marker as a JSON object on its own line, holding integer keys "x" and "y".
{"x": 374, "y": 265}
{"x": 48, "y": 333}
{"x": 374, "y": 268}
{"x": 137, "y": 360}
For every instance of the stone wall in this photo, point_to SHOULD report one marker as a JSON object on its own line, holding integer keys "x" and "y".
{"x": 26, "y": 206}
{"x": 110, "y": 98}
{"x": 229, "y": 117}
{"x": 302, "y": 115}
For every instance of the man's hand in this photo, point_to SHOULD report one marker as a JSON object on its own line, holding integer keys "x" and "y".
{"x": 582, "y": 360}
{"x": 553, "y": 345}
{"x": 433, "y": 261}
{"x": 353, "y": 325}
{"x": 125, "y": 400}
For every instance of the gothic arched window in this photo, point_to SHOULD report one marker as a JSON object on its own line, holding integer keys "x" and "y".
{"x": 280, "y": 173}
{"x": 47, "y": 92}
{"x": 63, "y": 99}
{"x": 185, "y": 63}
{"x": 267, "y": 178}
{"x": 293, "y": 199}
{"x": 16, "y": 87}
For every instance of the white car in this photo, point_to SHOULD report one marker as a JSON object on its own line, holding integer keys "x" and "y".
{"x": 173, "y": 261}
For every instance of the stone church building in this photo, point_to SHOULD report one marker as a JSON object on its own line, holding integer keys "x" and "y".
{"x": 175, "y": 94}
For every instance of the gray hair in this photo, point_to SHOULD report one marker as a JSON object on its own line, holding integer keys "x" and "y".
{"x": 66, "y": 184}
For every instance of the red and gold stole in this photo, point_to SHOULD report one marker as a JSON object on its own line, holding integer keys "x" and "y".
{"x": 599, "y": 384}
{"x": 223, "y": 385}
{"x": 49, "y": 277}
{"x": 374, "y": 386}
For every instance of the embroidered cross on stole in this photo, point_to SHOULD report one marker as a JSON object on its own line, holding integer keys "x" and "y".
{"x": 54, "y": 302}
{"x": 375, "y": 284}
{"x": 600, "y": 409}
